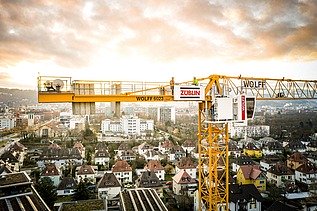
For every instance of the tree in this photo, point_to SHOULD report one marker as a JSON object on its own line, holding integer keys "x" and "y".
{"x": 82, "y": 192}
{"x": 47, "y": 191}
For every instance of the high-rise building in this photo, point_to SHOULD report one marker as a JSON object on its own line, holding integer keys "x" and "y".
{"x": 165, "y": 114}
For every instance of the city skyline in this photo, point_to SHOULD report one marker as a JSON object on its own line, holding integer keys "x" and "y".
{"x": 154, "y": 41}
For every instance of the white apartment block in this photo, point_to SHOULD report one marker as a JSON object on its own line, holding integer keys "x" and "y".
{"x": 7, "y": 122}
{"x": 252, "y": 131}
{"x": 128, "y": 125}
{"x": 165, "y": 114}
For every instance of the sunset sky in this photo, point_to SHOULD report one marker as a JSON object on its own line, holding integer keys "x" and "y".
{"x": 154, "y": 40}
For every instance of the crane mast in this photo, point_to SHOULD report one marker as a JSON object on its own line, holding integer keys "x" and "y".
{"x": 213, "y": 163}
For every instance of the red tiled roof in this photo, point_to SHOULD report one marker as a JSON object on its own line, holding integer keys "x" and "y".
{"x": 250, "y": 172}
{"x": 50, "y": 170}
{"x": 183, "y": 178}
{"x": 85, "y": 169}
{"x": 154, "y": 165}
{"x": 121, "y": 166}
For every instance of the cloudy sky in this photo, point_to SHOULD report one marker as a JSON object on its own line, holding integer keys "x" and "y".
{"x": 154, "y": 40}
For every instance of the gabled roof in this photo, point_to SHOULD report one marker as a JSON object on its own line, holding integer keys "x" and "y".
{"x": 123, "y": 146}
{"x": 100, "y": 145}
{"x": 296, "y": 144}
{"x": 167, "y": 144}
{"x": 50, "y": 170}
{"x": 101, "y": 153}
{"x": 108, "y": 180}
{"x": 67, "y": 183}
{"x": 271, "y": 159}
{"x": 233, "y": 146}
{"x": 145, "y": 145}
{"x": 148, "y": 179}
{"x": 4, "y": 169}
{"x": 274, "y": 145}
{"x": 182, "y": 177}
{"x": 154, "y": 165}
{"x": 243, "y": 192}
{"x": 280, "y": 169}
{"x": 307, "y": 168}
{"x": 85, "y": 169}
{"x": 121, "y": 166}
{"x": 54, "y": 146}
{"x": 79, "y": 146}
{"x": 8, "y": 157}
{"x": 128, "y": 152}
{"x": 298, "y": 157}
{"x": 282, "y": 206}
{"x": 244, "y": 160}
{"x": 17, "y": 146}
{"x": 250, "y": 172}
{"x": 177, "y": 150}
{"x": 251, "y": 146}
{"x": 189, "y": 143}
{"x": 186, "y": 163}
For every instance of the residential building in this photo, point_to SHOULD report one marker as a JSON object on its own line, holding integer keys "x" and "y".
{"x": 143, "y": 148}
{"x": 123, "y": 171}
{"x": 184, "y": 184}
{"x": 67, "y": 186}
{"x": 295, "y": 146}
{"x": 156, "y": 167}
{"x": 12, "y": 162}
{"x": 241, "y": 161}
{"x": 189, "y": 146}
{"x": 306, "y": 173}
{"x": 166, "y": 146}
{"x": 279, "y": 174}
{"x": 176, "y": 153}
{"x": 187, "y": 164}
{"x": 251, "y": 150}
{"x": 7, "y": 122}
{"x": 166, "y": 114}
{"x": 52, "y": 172}
{"x": 86, "y": 172}
{"x": 61, "y": 157}
{"x": 153, "y": 155}
{"x": 149, "y": 179}
{"x": 128, "y": 155}
{"x": 244, "y": 197}
{"x": 269, "y": 161}
{"x": 251, "y": 175}
{"x": 108, "y": 187}
{"x": 80, "y": 148}
{"x": 272, "y": 148}
{"x": 295, "y": 160}
{"x": 102, "y": 157}
{"x": 234, "y": 150}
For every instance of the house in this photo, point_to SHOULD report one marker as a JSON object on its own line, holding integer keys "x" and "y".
{"x": 18, "y": 193}
{"x": 4, "y": 168}
{"x": 295, "y": 160}
{"x": 153, "y": 155}
{"x": 183, "y": 184}
{"x": 306, "y": 173}
{"x": 272, "y": 148}
{"x": 60, "y": 156}
{"x": 67, "y": 186}
{"x": 311, "y": 156}
{"x": 46, "y": 131}
{"x": 312, "y": 146}
{"x": 122, "y": 148}
{"x": 156, "y": 167}
{"x": 176, "y": 153}
{"x": 51, "y": 172}
{"x": 123, "y": 171}
{"x": 85, "y": 172}
{"x": 102, "y": 157}
{"x": 244, "y": 197}
{"x": 189, "y": 146}
{"x": 108, "y": 187}
{"x": 268, "y": 161}
{"x": 240, "y": 161}
{"x": 128, "y": 155}
{"x": 234, "y": 150}
{"x": 295, "y": 146}
{"x": 248, "y": 174}
{"x": 12, "y": 162}
{"x": 144, "y": 147}
{"x": 166, "y": 146}
{"x": 149, "y": 179}
{"x": 80, "y": 148}
{"x": 251, "y": 150}
{"x": 186, "y": 163}
{"x": 279, "y": 174}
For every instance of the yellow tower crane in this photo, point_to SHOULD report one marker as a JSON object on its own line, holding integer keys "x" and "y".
{"x": 222, "y": 100}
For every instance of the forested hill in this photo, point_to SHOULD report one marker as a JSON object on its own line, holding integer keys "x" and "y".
{"x": 17, "y": 97}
